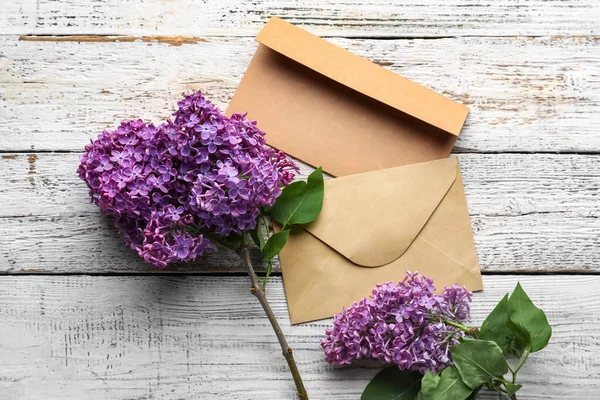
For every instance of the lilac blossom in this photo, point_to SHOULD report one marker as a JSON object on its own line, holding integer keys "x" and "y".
{"x": 404, "y": 324}
{"x": 170, "y": 187}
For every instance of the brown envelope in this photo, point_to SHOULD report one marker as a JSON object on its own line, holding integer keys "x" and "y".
{"x": 372, "y": 229}
{"x": 329, "y": 107}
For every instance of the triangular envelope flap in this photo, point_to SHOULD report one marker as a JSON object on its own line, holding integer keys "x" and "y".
{"x": 363, "y": 76}
{"x": 372, "y": 218}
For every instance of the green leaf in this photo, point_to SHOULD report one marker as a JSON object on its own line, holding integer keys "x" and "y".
{"x": 257, "y": 235}
{"x": 393, "y": 384}
{"x": 515, "y": 347}
{"x": 300, "y": 202}
{"x": 450, "y": 386}
{"x": 512, "y": 388}
{"x": 428, "y": 385}
{"x": 495, "y": 326}
{"x": 275, "y": 244}
{"x": 528, "y": 323}
{"x": 479, "y": 361}
{"x": 473, "y": 395}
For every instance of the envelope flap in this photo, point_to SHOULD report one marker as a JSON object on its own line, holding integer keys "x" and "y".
{"x": 363, "y": 76}
{"x": 373, "y": 218}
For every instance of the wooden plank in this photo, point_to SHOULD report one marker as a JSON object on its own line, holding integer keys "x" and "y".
{"x": 413, "y": 18}
{"x": 206, "y": 337}
{"x": 531, "y": 212}
{"x": 525, "y": 95}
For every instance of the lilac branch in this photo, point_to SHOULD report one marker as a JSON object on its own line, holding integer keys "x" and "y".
{"x": 259, "y": 293}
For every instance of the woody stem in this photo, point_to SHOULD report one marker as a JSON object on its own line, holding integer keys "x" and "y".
{"x": 257, "y": 291}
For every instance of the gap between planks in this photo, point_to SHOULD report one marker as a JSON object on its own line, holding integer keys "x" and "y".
{"x": 178, "y": 40}
{"x": 172, "y": 40}
{"x": 350, "y": 18}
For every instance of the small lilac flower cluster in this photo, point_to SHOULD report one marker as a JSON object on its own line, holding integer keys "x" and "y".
{"x": 168, "y": 187}
{"x": 404, "y": 324}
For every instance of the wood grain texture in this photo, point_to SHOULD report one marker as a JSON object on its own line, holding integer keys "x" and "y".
{"x": 207, "y": 338}
{"x": 525, "y": 95}
{"x": 377, "y": 18}
{"x": 529, "y": 212}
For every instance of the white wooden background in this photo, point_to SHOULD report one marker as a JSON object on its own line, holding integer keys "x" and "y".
{"x": 82, "y": 318}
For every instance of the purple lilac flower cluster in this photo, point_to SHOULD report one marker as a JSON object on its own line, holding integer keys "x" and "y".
{"x": 167, "y": 187}
{"x": 405, "y": 324}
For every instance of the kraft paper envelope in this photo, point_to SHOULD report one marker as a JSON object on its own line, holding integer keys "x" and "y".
{"x": 329, "y": 107}
{"x": 373, "y": 228}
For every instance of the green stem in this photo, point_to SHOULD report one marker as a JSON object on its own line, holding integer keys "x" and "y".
{"x": 505, "y": 382}
{"x": 462, "y": 327}
{"x": 511, "y": 370}
{"x": 267, "y": 274}
{"x": 498, "y": 388}
{"x": 520, "y": 366}
{"x": 269, "y": 262}
{"x": 264, "y": 221}
{"x": 449, "y": 338}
